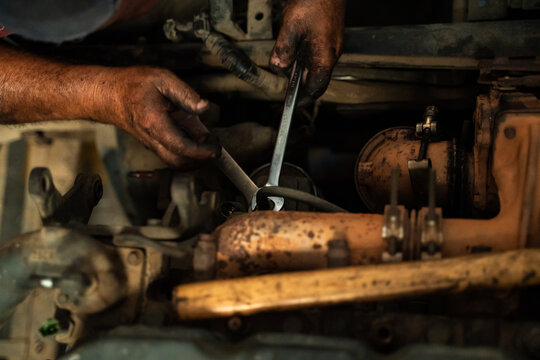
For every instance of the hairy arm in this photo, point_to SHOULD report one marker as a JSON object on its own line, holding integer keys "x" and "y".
{"x": 151, "y": 104}
{"x": 34, "y": 89}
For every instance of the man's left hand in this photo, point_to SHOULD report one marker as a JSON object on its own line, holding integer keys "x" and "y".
{"x": 312, "y": 33}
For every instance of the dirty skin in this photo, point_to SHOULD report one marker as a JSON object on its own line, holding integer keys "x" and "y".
{"x": 312, "y": 33}
{"x": 151, "y": 104}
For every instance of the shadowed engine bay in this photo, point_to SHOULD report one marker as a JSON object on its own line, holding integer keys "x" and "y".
{"x": 403, "y": 220}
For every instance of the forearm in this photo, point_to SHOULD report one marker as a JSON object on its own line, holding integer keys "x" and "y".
{"x": 34, "y": 89}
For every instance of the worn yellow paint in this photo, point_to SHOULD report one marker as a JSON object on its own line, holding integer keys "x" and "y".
{"x": 276, "y": 292}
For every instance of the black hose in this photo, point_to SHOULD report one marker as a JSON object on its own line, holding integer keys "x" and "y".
{"x": 242, "y": 66}
{"x": 304, "y": 197}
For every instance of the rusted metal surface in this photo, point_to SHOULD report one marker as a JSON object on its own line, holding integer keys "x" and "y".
{"x": 530, "y": 212}
{"x": 264, "y": 242}
{"x": 267, "y": 242}
{"x": 512, "y": 151}
{"x": 390, "y": 149}
{"x": 366, "y": 283}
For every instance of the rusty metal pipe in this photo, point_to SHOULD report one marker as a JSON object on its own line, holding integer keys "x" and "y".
{"x": 269, "y": 242}
{"x": 277, "y": 292}
{"x": 263, "y": 242}
{"x": 392, "y": 149}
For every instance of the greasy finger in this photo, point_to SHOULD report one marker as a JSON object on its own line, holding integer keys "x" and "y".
{"x": 174, "y": 160}
{"x": 285, "y": 49}
{"x": 176, "y": 141}
{"x": 319, "y": 73}
{"x": 192, "y": 124}
{"x": 182, "y": 95}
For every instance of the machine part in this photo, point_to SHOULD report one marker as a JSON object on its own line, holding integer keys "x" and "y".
{"x": 151, "y": 343}
{"x": 419, "y": 169}
{"x": 183, "y": 251}
{"x": 270, "y": 193}
{"x": 283, "y": 135}
{"x": 263, "y": 242}
{"x": 247, "y": 142}
{"x": 236, "y": 175}
{"x": 271, "y": 242}
{"x": 427, "y": 130}
{"x": 485, "y": 45}
{"x": 204, "y": 258}
{"x": 395, "y": 224}
{"x": 393, "y": 148}
{"x": 195, "y": 213}
{"x": 234, "y": 60}
{"x": 530, "y": 226}
{"x": 487, "y": 10}
{"x": 292, "y": 177}
{"x": 524, "y": 4}
{"x": 259, "y": 19}
{"x": 509, "y": 168}
{"x": 81, "y": 269}
{"x": 508, "y": 270}
{"x": 430, "y": 225}
{"x": 173, "y": 28}
{"x": 74, "y": 207}
{"x": 249, "y": 189}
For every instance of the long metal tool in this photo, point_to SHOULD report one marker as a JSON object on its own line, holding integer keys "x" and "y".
{"x": 283, "y": 135}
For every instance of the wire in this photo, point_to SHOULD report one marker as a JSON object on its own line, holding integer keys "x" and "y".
{"x": 304, "y": 197}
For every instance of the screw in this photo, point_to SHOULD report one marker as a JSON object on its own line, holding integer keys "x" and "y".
{"x": 234, "y": 324}
{"x": 63, "y": 298}
{"x": 510, "y": 132}
{"x": 134, "y": 258}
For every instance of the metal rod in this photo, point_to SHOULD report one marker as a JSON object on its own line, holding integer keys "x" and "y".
{"x": 394, "y": 188}
{"x": 236, "y": 175}
{"x": 305, "y": 289}
{"x": 432, "y": 196}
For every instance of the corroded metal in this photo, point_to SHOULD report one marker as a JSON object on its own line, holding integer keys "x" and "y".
{"x": 391, "y": 149}
{"x": 247, "y": 296}
{"x": 268, "y": 241}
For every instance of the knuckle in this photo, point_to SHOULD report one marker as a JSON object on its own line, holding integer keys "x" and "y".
{"x": 148, "y": 123}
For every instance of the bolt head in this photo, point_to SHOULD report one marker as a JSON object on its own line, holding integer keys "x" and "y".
{"x": 134, "y": 258}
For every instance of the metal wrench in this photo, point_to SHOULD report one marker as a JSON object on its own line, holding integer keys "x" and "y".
{"x": 283, "y": 135}
{"x": 235, "y": 173}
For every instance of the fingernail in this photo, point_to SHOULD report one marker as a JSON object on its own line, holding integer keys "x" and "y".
{"x": 202, "y": 105}
{"x": 274, "y": 60}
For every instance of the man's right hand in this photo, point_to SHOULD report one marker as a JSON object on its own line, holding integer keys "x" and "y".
{"x": 151, "y": 104}
{"x": 160, "y": 110}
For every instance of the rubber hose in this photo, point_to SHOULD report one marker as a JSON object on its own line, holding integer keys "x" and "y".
{"x": 292, "y": 194}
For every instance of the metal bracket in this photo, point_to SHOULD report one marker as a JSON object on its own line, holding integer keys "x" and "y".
{"x": 430, "y": 225}
{"x": 431, "y": 235}
{"x": 74, "y": 207}
{"x": 419, "y": 168}
{"x": 394, "y": 227}
{"x": 195, "y": 213}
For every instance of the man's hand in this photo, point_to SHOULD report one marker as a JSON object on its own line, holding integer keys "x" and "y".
{"x": 160, "y": 110}
{"x": 313, "y": 31}
{"x": 149, "y": 103}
